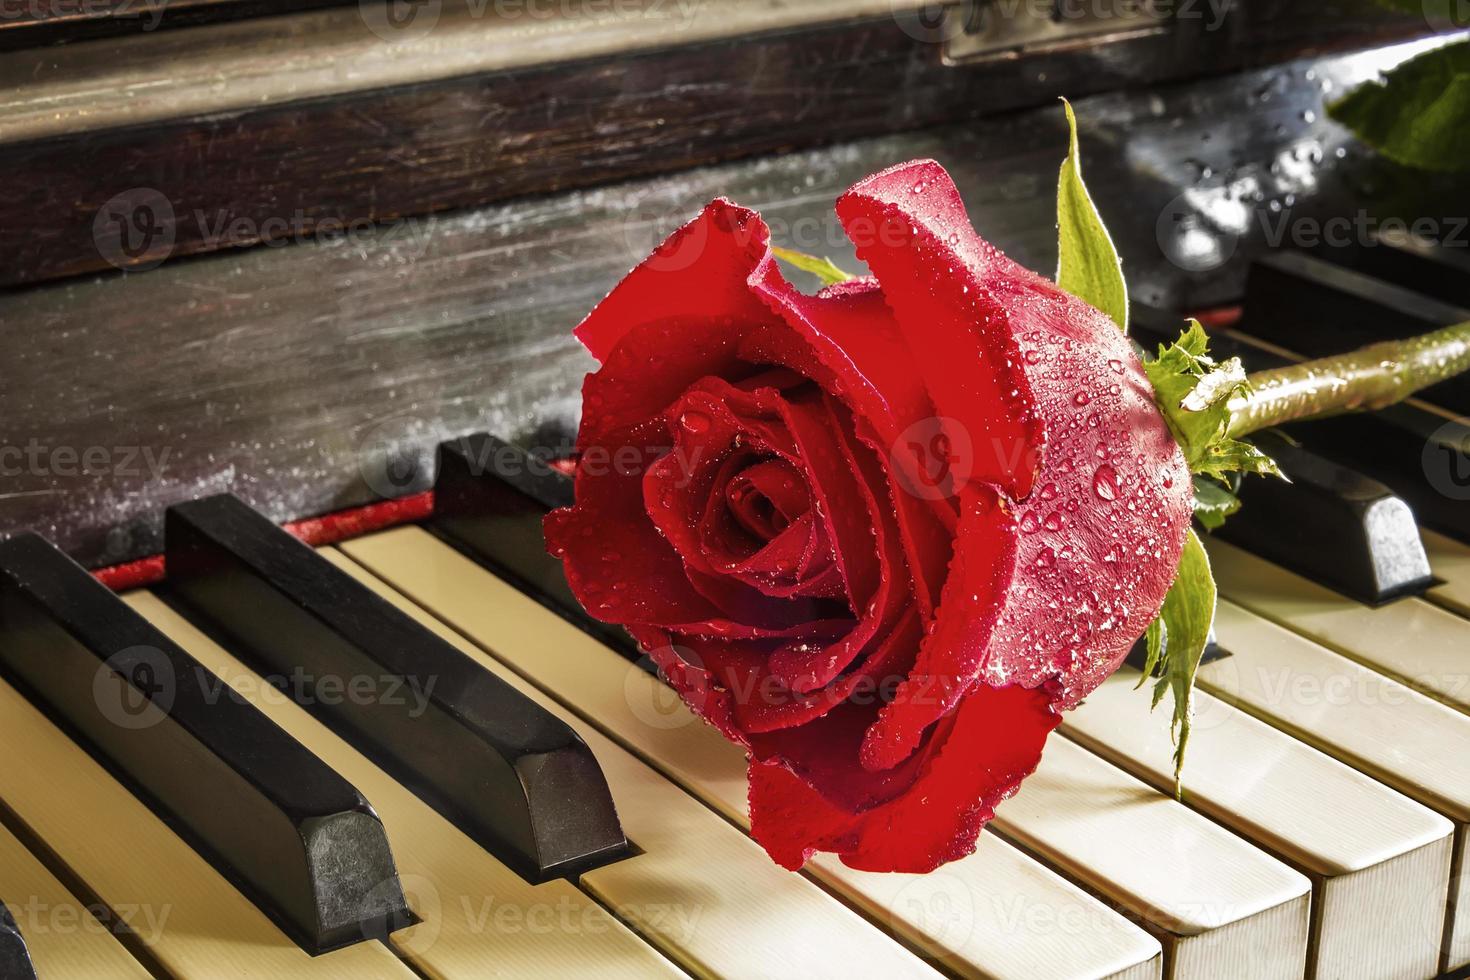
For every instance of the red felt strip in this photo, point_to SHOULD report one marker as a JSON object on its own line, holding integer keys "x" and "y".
{"x": 315, "y": 531}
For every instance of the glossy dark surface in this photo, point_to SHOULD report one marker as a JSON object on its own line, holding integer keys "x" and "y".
{"x": 501, "y": 768}
{"x": 15, "y": 959}
{"x": 489, "y": 500}
{"x": 1315, "y": 307}
{"x": 274, "y": 819}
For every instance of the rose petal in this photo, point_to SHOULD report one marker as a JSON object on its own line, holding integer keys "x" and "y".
{"x": 974, "y": 759}
{"x": 1065, "y": 359}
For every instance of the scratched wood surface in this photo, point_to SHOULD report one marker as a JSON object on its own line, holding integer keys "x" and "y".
{"x": 319, "y": 375}
{"x": 330, "y": 118}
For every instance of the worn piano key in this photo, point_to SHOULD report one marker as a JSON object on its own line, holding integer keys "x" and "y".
{"x": 290, "y": 831}
{"x": 1411, "y": 639}
{"x": 1225, "y": 900}
{"x": 700, "y": 890}
{"x": 458, "y": 889}
{"x": 1451, "y": 562}
{"x": 1332, "y": 525}
{"x": 15, "y": 957}
{"x": 1379, "y": 862}
{"x": 191, "y": 920}
{"x": 1315, "y": 308}
{"x": 1410, "y": 262}
{"x": 1371, "y": 722}
{"x": 490, "y": 498}
{"x": 47, "y": 930}
{"x": 507, "y": 772}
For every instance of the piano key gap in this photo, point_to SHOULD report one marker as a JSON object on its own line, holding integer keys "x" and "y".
{"x": 78, "y": 888}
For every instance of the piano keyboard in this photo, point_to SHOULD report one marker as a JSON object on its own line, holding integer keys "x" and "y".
{"x": 530, "y": 800}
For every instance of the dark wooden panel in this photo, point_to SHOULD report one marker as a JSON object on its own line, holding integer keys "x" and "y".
{"x": 285, "y": 375}
{"x": 33, "y": 23}
{"x": 135, "y": 196}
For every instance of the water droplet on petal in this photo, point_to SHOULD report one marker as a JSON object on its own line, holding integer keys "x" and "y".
{"x": 1105, "y": 483}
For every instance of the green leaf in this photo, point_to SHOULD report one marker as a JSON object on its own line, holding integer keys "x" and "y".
{"x": 824, "y": 269}
{"x": 1193, "y": 392}
{"x": 1088, "y": 266}
{"x": 1419, "y": 114}
{"x": 1186, "y": 619}
{"x": 1213, "y": 502}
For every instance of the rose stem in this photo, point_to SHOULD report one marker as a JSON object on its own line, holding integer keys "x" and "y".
{"x": 1365, "y": 379}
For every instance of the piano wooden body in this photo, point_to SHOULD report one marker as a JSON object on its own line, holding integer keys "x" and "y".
{"x": 262, "y": 263}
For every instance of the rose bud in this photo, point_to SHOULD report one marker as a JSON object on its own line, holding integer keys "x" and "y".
{"x": 881, "y": 536}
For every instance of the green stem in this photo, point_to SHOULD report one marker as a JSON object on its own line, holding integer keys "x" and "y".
{"x": 1362, "y": 380}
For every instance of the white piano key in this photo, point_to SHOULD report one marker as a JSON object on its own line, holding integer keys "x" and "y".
{"x": 1412, "y": 640}
{"x": 1253, "y": 905}
{"x": 191, "y": 920}
{"x": 1450, "y": 561}
{"x": 1371, "y": 722}
{"x": 458, "y": 890}
{"x": 60, "y": 932}
{"x": 1379, "y": 862}
{"x": 700, "y": 890}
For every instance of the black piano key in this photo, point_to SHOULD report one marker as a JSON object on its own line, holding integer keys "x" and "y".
{"x": 280, "y": 824}
{"x": 1331, "y": 525}
{"x": 1407, "y": 448}
{"x": 1314, "y": 308}
{"x": 15, "y": 958}
{"x": 489, "y": 500}
{"x": 504, "y": 770}
{"x": 1424, "y": 267}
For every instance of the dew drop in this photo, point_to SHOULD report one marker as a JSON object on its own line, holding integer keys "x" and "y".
{"x": 1105, "y": 483}
{"x": 695, "y": 422}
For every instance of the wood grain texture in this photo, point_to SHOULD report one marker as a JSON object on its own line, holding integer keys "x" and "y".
{"x": 296, "y": 376}
{"x": 997, "y": 913}
{"x": 458, "y": 890}
{"x": 275, "y": 129}
{"x": 60, "y": 932}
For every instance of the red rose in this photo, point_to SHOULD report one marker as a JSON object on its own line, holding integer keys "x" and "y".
{"x": 879, "y": 536}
